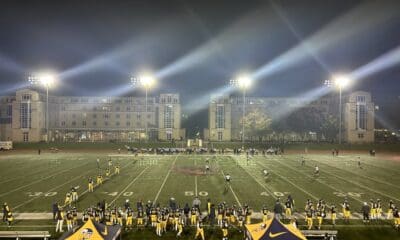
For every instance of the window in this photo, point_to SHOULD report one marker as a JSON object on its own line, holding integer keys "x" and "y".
{"x": 94, "y": 123}
{"x": 128, "y": 124}
{"x": 84, "y": 123}
{"x": 25, "y": 115}
{"x": 105, "y": 123}
{"x": 169, "y": 99}
{"x": 220, "y": 118}
{"x": 73, "y": 123}
{"x": 117, "y": 123}
{"x": 9, "y": 111}
{"x": 168, "y": 116}
{"x": 26, "y": 137}
{"x": 106, "y": 116}
{"x": 63, "y": 108}
{"x": 361, "y": 117}
{"x": 63, "y": 124}
{"x": 117, "y": 115}
{"x": 128, "y": 109}
{"x": 26, "y": 97}
{"x": 128, "y": 116}
{"x": 219, "y": 136}
{"x": 138, "y": 117}
{"x": 360, "y": 99}
{"x": 94, "y": 115}
{"x": 169, "y": 136}
{"x": 361, "y": 135}
{"x": 117, "y": 109}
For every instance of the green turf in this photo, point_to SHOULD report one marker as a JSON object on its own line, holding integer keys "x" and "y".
{"x": 31, "y": 183}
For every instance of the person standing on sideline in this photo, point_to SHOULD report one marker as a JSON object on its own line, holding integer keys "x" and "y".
{"x": 278, "y": 209}
{"x": 6, "y": 209}
{"x": 60, "y": 220}
{"x": 54, "y": 207}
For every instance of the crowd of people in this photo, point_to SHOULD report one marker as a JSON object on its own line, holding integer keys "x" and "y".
{"x": 176, "y": 217}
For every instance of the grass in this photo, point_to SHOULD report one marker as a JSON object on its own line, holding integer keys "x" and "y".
{"x": 387, "y": 147}
{"x": 31, "y": 183}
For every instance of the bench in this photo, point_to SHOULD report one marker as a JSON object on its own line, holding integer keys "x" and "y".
{"x": 25, "y": 234}
{"x": 331, "y": 234}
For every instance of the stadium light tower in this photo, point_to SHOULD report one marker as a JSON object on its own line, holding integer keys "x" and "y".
{"x": 146, "y": 82}
{"x": 340, "y": 81}
{"x": 46, "y": 80}
{"x": 243, "y": 83}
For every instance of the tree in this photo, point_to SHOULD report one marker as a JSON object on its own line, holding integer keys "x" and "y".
{"x": 256, "y": 124}
{"x": 329, "y": 127}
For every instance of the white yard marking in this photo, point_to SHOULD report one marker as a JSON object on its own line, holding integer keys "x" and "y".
{"x": 130, "y": 184}
{"x": 260, "y": 183}
{"x": 40, "y": 180}
{"x": 51, "y": 190}
{"x": 165, "y": 180}
{"x": 30, "y": 200}
{"x": 230, "y": 187}
{"x": 294, "y": 169}
{"x": 292, "y": 183}
{"x": 87, "y": 190}
{"x": 352, "y": 172}
{"x": 360, "y": 185}
{"x": 195, "y": 179}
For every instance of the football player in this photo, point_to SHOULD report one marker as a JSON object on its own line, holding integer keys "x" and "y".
{"x": 199, "y": 230}
{"x": 70, "y": 218}
{"x": 116, "y": 169}
{"x": 225, "y": 231}
{"x": 390, "y": 210}
{"x": 90, "y": 185}
{"x": 333, "y": 214}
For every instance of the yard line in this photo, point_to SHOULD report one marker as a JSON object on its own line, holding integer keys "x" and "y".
{"x": 362, "y": 186}
{"x": 294, "y": 169}
{"x": 195, "y": 178}
{"x": 87, "y": 190}
{"x": 30, "y": 200}
{"x": 30, "y": 174}
{"x": 342, "y": 169}
{"x": 40, "y": 180}
{"x": 165, "y": 180}
{"x": 230, "y": 187}
{"x": 132, "y": 182}
{"x": 292, "y": 183}
{"x": 34, "y": 198}
{"x": 260, "y": 183}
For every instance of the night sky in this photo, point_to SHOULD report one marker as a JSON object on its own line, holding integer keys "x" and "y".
{"x": 195, "y": 47}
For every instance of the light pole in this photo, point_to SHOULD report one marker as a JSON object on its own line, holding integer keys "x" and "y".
{"x": 242, "y": 83}
{"x": 340, "y": 82}
{"x": 46, "y": 80}
{"x": 145, "y": 81}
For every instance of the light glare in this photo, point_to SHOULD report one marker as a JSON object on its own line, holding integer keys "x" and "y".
{"x": 341, "y": 81}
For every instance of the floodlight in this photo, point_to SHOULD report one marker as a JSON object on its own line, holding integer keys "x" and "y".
{"x": 244, "y": 82}
{"x": 46, "y": 80}
{"x": 147, "y": 81}
{"x": 341, "y": 81}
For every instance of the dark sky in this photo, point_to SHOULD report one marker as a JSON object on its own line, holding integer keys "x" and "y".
{"x": 195, "y": 47}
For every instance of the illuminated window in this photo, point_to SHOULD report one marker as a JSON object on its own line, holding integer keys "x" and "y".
{"x": 220, "y": 117}
{"x": 168, "y": 116}
{"x": 25, "y": 115}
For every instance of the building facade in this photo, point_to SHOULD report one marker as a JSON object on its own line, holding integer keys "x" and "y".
{"x": 226, "y": 113}
{"x": 92, "y": 119}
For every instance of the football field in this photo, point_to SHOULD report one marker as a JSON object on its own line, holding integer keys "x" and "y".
{"x": 30, "y": 183}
